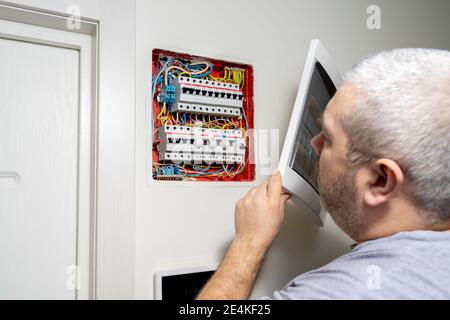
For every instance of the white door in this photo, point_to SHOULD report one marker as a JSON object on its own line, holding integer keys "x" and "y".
{"x": 45, "y": 162}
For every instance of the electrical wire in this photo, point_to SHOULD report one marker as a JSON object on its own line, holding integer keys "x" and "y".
{"x": 172, "y": 68}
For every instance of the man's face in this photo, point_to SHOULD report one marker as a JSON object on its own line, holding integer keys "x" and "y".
{"x": 337, "y": 179}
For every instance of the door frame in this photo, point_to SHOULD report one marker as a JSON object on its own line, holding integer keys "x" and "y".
{"x": 87, "y": 123}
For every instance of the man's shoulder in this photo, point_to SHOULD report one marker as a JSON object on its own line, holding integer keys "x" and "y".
{"x": 401, "y": 266}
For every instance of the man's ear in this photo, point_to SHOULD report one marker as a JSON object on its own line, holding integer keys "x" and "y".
{"x": 386, "y": 176}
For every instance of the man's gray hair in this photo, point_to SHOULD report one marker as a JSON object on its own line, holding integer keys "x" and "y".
{"x": 402, "y": 112}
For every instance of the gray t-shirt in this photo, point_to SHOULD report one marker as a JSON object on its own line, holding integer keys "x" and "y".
{"x": 407, "y": 265}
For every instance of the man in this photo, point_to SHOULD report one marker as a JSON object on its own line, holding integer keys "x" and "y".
{"x": 384, "y": 178}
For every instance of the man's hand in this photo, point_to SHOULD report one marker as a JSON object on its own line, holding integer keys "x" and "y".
{"x": 258, "y": 216}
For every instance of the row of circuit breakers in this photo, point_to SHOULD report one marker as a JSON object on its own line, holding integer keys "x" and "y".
{"x": 186, "y": 144}
{"x": 201, "y": 111}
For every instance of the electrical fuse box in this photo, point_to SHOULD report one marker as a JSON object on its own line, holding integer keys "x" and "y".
{"x": 202, "y": 120}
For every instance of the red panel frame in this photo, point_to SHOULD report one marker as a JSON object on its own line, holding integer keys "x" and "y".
{"x": 248, "y": 174}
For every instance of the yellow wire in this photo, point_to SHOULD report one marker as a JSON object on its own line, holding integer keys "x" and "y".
{"x": 229, "y": 75}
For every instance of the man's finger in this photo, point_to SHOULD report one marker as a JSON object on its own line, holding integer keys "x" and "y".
{"x": 274, "y": 187}
{"x": 250, "y": 192}
{"x": 262, "y": 189}
{"x": 284, "y": 198}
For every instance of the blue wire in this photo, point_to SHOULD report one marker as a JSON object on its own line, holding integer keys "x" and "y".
{"x": 159, "y": 77}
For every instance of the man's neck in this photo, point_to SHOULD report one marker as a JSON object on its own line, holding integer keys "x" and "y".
{"x": 400, "y": 220}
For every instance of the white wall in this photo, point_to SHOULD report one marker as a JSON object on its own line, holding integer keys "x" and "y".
{"x": 185, "y": 227}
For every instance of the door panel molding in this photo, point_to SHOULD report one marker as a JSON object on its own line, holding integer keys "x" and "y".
{"x": 44, "y": 18}
{"x": 32, "y": 26}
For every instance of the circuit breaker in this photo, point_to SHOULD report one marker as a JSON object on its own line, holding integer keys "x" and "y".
{"x": 202, "y": 118}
